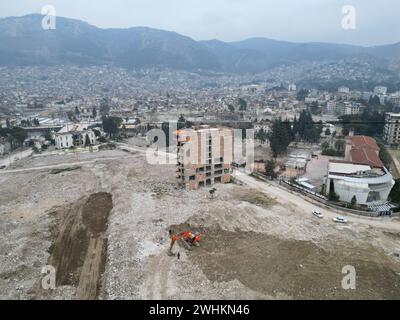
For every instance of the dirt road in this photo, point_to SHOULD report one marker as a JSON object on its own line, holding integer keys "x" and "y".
{"x": 61, "y": 165}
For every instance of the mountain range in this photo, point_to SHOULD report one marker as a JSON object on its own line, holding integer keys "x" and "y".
{"x": 23, "y": 42}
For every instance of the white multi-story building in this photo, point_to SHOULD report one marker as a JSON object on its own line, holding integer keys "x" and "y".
{"x": 266, "y": 126}
{"x": 75, "y": 135}
{"x": 395, "y": 99}
{"x": 391, "y": 132}
{"x": 351, "y": 108}
{"x": 343, "y": 90}
{"x": 380, "y": 90}
{"x": 331, "y": 107}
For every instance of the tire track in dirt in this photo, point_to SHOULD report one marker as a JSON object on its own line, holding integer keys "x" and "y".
{"x": 157, "y": 278}
{"x": 79, "y": 251}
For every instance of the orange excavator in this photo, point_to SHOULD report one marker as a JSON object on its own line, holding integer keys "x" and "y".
{"x": 188, "y": 238}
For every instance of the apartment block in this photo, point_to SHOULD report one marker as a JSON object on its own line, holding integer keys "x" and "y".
{"x": 352, "y": 108}
{"x": 204, "y": 156}
{"x": 391, "y": 132}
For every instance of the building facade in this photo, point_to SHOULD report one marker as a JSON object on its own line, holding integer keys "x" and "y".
{"x": 391, "y": 132}
{"x": 76, "y": 135}
{"x": 204, "y": 156}
{"x": 370, "y": 186}
{"x": 352, "y": 108}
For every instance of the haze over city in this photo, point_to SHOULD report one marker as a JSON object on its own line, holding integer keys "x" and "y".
{"x": 233, "y": 20}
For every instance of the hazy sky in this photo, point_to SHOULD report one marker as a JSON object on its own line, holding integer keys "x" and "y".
{"x": 378, "y": 21}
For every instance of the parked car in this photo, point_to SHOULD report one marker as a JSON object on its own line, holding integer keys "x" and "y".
{"x": 340, "y": 220}
{"x": 2, "y": 167}
{"x": 318, "y": 214}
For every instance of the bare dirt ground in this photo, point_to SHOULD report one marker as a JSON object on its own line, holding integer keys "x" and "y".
{"x": 104, "y": 226}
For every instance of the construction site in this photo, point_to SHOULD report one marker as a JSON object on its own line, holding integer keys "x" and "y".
{"x": 116, "y": 227}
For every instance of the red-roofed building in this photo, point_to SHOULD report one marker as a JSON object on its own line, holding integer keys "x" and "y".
{"x": 363, "y": 150}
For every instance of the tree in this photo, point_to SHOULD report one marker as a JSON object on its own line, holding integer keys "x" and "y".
{"x": 111, "y": 125}
{"x": 231, "y": 108}
{"x": 87, "y": 141}
{"x": 325, "y": 146}
{"x": 280, "y": 137}
{"x": 306, "y": 129}
{"x": 332, "y": 196}
{"x": 25, "y": 123}
{"x": 77, "y": 111}
{"x": 181, "y": 119}
{"x": 328, "y": 132}
{"x": 242, "y": 104}
{"x": 323, "y": 189}
{"x": 314, "y": 108}
{"x": 302, "y": 94}
{"x": 340, "y": 146}
{"x": 15, "y": 136}
{"x": 36, "y": 122}
{"x": 270, "y": 166}
{"x": 71, "y": 116}
{"x": 295, "y": 126}
{"x": 261, "y": 135}
{"x": 353, "y": 202}
{"x": 97, "y": 133}
{"x": 328, "y": 151}
{"x": 104, "y": 107}
{"x": 374, "y": 101}
{"x": 369, "y": 123}
{"x": 183, "y": 123}
{"x": 384, "y": 155}
{"x": 395, "y": 193}
{"x": 94, "y": 113}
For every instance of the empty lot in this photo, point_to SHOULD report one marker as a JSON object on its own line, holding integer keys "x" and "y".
{"x": 258, "y": 244}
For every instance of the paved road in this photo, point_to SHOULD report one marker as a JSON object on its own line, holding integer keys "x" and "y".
{"x": 305, "y": 208}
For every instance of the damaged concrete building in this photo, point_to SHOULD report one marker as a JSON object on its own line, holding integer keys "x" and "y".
{"x": 204, "y": 156}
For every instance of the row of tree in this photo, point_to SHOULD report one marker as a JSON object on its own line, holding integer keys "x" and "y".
{"x": 371, "y": 121}
{"x": 338, "y": 150}
{"x": 15, "y": 136}
{"x": 304, "y": 129}
{"x": 285, "y": 132}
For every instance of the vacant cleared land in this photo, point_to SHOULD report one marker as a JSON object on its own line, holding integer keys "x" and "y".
{"x": 102, "y": 221}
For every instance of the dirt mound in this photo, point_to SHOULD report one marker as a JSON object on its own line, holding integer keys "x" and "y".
{"x": 295, "y": 269}
{"x": 79, "y": 251}
{"x": 254, "y": 197}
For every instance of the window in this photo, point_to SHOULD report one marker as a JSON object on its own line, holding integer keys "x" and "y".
{"x": 373, "y": 196}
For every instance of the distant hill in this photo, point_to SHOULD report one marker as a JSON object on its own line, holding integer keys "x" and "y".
{"x": 24, "y": 42}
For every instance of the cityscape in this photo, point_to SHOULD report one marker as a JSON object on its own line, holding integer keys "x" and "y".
{"x": 141, "y": 164}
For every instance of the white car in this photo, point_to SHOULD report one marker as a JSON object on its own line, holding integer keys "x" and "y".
{"x": 318, "y": 214}
{"x": 340, "y": 220}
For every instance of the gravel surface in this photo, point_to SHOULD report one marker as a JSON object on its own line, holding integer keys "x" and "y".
{"x": 146, "y": 203}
